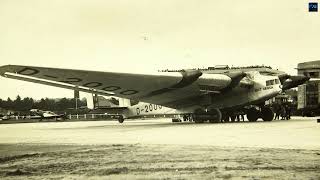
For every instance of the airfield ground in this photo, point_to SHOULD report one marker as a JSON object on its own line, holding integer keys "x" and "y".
{"x": 159, "y": 149}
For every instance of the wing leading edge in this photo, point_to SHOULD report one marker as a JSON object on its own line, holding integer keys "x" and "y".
{"x": 158, "y": 88}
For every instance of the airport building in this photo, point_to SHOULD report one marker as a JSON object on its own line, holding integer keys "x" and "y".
{"x": 309, "y": 93}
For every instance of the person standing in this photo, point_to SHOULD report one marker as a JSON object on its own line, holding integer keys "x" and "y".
{"x": 283, "y": 113}
{"x": 278, "y": 112}
{"x": 288, "y": 112}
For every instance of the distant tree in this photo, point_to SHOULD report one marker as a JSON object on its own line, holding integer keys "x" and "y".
{"x": 28, "y": 104}
{"x": 49, "y": 104}
{"x": 72, "y": 102}
{"x": 41, "y": 104}
{"x": 63, "y": 104}
{"x": 17, "y": 104}
{"x": 8, "y": 104}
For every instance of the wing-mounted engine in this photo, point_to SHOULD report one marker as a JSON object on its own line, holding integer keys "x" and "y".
{"x": 289, "y": 81}
{"x": 213, "y": 83}
{"x": 188, "y": 77}
{"x": 294, "y": 81}
{"x": 236, "y": 78}
{"x": 219, "y": 83}
{"x": 283, "y": 77}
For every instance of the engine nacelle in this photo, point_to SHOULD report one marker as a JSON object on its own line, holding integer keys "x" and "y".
{"x": 213, "y": 82}
{"x": 294, "y": 81}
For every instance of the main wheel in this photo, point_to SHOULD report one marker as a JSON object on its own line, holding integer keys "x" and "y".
{"x": 253, "y": 114}
{"x": 215, "y": 116}
{"x": 267, "y": 114}
{"x": 120, "y": 119}
{"x": 198, "y": 116}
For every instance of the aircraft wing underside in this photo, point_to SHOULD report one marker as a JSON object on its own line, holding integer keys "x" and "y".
{"x": 171, "y": 89}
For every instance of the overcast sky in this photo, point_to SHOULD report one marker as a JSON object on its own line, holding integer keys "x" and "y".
{"x": 145, "y": 35}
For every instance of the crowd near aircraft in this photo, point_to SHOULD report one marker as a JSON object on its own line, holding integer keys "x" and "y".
{"x": 199, "y": 95}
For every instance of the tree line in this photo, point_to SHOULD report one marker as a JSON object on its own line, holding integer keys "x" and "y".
{"x": 47, "y": 104}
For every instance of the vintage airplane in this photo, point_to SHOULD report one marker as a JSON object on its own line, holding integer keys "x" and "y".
{"x": 40, "y": 114}
{"x": 199, "y": 94}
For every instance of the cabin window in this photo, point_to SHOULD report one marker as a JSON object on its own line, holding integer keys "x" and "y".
{"x": 267, "y": 83}
{"x": 272, "y": 82}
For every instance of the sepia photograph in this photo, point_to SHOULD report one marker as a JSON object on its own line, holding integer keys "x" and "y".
{"x": 171, "y": 89}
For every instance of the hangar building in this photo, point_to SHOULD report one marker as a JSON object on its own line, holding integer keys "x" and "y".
{"x": 309, "y": 93}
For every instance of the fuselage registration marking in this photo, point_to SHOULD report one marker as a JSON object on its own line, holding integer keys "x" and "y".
{"x": 148, "y": 108}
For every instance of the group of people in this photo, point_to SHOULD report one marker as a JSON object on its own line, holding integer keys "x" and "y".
{"x": 235, "y": 116}
{"x": 283, "y": 110}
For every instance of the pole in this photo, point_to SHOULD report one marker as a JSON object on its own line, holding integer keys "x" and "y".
{"x": 76, "y": 103}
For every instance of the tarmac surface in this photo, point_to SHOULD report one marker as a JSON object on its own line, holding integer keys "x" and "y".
{"x": 160, "y": 149}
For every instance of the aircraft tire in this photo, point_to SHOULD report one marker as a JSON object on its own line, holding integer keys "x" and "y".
{"x": 120, "y": 119}
{"x": 253, "y": 114}
{"x": 267, "y": 114}
{"x": 198, "y": 121}
{"x": 198, "y": 116}
{"x": 216, "y": 116}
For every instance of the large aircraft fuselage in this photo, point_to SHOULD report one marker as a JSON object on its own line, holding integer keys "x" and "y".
{"x": 263, "y": 88}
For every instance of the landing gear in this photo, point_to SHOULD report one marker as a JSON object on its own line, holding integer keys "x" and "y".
{"x": 253, "y": 114}
{"x": 216, "y": 116}
{"x": 267, "y": 114}
{"x": 120, "y": 119}
{"x": 213, "y": 115}
{"x": 198, "y": 116}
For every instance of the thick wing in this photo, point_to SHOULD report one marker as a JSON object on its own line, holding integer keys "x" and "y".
{"x": 163, "y": 88}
